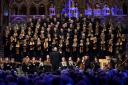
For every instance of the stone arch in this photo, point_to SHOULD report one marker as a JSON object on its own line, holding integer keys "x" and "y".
{"x": 23, "y": 9}
{"x": 33, "y": 10}
{"x": 14, "y": 9}
{"x": 41, "y": 9}
{"x": 18, "y": 20}
{"x": 125, "y": 8}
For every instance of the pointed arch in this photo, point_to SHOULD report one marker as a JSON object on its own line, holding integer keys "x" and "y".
{"x": 125, "y": 8}
{"x": 14, "y": 9}
{"x": 41, "y": 9}
{"x": 23, "y": 10}
{"x": 33, "y": 10}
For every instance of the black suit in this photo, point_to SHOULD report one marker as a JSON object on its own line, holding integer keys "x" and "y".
{"x": 55, "y": 60}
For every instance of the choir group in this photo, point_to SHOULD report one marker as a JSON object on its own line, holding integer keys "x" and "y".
{"x": 73, "y": 38}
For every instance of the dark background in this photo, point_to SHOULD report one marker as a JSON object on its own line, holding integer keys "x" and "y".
{"x": 0, "y": 13}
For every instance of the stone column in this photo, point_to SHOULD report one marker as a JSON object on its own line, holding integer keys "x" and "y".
{"x": 5, "y": 11}
{"x": 37, "y": 10}
{"x": 46, "y": 10}
{"x": 28, "y": 9}
{"x": 58, "y": 6}
{"x": 1, "y": 13}
{"x": 126, "y": 46}
{"x": 83, "y": 6}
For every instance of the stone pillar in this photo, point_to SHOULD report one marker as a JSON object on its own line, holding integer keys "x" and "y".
{"x": 127, "y": 6}
{"x": 46, "y": 10}
{"x": 28, "y": 7}
{"x": 82, "y": 6}
{"x": 1, "y": 23}
{"x": 18, "y": 9}
{"x": 1, "y": 13}
{"x": 28, "y": 12}
{"x": 37, "y": 10}
{"x": 127, "y": 46}
{"x": 5, "y": 12}
{"x": 58, "y": 6}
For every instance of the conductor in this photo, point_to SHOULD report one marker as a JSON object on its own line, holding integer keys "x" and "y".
{"x": 55, "y": 59}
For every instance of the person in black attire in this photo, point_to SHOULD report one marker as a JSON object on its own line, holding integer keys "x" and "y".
{"x": 33, "y": 66}
{"x": 63, "y": 63}
{"x": 40, "y": 65}
{"x": 7, "y": 66}
{"x": 78, "y": 62}
{"x": 25, "y": 65}
{"x": 55, "y": 59}
{"x": 96, "y": 64}
{"x": 13, "y": 64}
{"x": 71, "y": 63}
{"x": 47, "y": 64}
{"x": 86, "y": 63}
{"x": 111, "y": 63}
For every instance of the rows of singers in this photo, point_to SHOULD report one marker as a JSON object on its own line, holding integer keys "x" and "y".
{"x": 72, "y": 36}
